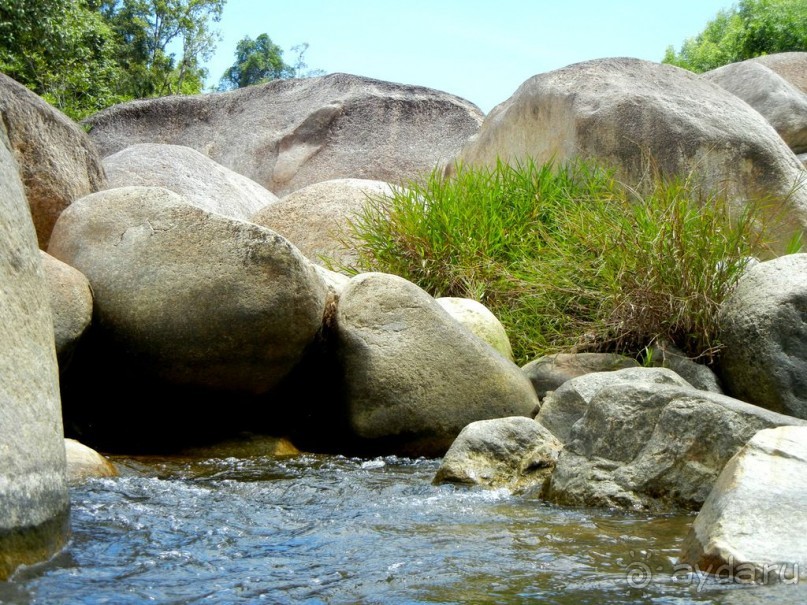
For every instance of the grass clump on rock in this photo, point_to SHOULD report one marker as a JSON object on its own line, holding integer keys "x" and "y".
{"x": 568, "y": 257}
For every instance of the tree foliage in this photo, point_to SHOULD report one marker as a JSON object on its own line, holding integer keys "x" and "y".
{"x": 148, "y": 29}
{"x": 261, "y": 60}
{"x": 749, "y": 29}
{"x": 256, "y": 61}
{"x": 63, "y": 50}
{"x": 84, "y": 55}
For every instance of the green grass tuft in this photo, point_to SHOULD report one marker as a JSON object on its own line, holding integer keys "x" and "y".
{"x": 568, "y": 257}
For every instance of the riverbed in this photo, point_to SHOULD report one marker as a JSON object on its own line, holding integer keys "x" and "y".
{"x": 330, "y": 529}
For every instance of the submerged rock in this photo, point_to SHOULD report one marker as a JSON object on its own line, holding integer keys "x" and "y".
{"x": 516, "y": 453}
{"x": 246, "y": 446}
{"x": 414, "y": 377}
{"x": 752, "y": 526}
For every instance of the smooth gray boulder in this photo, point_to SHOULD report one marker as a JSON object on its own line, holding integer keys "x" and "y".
{"x": 190, "y": 296}
{"x": 763, "y": 325}
{"x": 415, "y": 377}
{"x": 569, "y": 402}
{"x": 56, "y": 160}
{"x": 480, "y": 321}
{"x": 516, "y": 453}
{"x": 200, "y": 180}
{"x": 287, "y": 134}
{"x": 780, "y": 102}
{"x": 630, "y": 113}
{"x": 752, "y": 526}
{"x": 654, "y": 447}
{"x": 70, "y": 298}
{"x": 547, "y": 373}
{"x": 315, "y": 218}
{"x": 33, "y": 491}
{"x": 194, "y": 314}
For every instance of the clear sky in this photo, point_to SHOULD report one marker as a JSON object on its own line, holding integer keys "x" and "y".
{"x": 481, "y": 50}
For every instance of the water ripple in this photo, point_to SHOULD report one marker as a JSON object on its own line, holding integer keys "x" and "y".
{"x": 316, "y": 529}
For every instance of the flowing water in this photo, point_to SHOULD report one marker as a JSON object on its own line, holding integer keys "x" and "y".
{"x": 318, "y": 529}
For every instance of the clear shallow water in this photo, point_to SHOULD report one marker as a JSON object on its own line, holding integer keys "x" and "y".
{"x": 334, "y": 530}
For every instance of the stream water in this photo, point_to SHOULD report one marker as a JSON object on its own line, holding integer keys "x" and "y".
{"x": 319, "y": 529}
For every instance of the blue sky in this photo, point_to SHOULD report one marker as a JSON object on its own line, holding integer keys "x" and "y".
{"x": 480, "y": 50}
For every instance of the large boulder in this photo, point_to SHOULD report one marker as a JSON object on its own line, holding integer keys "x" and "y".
{"x": 629, "y": 113}
{"x": 516, "y": 453}
{"x": 564, "y": 406}
{"x": 33, "y": 492}
{"x": 791, "y": 66}
{"x": 548, "y": 372}
{"x": 56, "y": 160}
{"x": 187, "y": 302}
{"x": 657, "y": 447}
{"x": 763, "y": 325}
{"x": 780, "y": 102}
{"x": 287, "y": 134}
{"x": 415, "y": 377}
{"x": 185, "y": 171}
{"x": 70, "y": 304}
{"x": 752, "y": 526}
{"x": 315, "y": 218}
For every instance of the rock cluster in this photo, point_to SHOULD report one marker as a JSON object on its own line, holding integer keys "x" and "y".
{"x": 186, "y": 298}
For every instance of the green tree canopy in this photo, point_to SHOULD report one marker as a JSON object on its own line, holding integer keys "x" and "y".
{"x": 261, "y": 60}
{"x": 256, "y": 61}
{"x": 749, "y": 29}
{"x": 84, "y": 55}
{"x": 63, "y": 50}
{"x": 147, "y": 30}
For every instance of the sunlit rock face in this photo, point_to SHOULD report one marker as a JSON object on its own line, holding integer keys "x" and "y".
{"x": 287, "y": 134}
{"x": 413, "y": 376}
{"x": 56, "y": 161}
{"x": 33, "y": 491}
{"x": 753, "y": 523}
{"x": 639, "y": 116}
{"x": 783, "y": 104}
{"x": 200, "y": 180}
